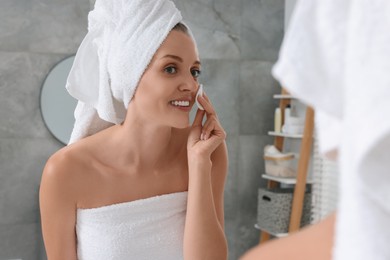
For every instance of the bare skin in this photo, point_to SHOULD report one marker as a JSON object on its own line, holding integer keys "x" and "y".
{"x": 312, "y": 242}
{"x": 145, "y": 156}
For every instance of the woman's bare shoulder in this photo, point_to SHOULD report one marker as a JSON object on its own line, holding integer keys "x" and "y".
{"x": 67, "y": 164}
{"x": 69, "y": 156}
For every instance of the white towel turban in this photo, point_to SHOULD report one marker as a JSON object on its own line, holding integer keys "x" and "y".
{"x": 123, "y": 36}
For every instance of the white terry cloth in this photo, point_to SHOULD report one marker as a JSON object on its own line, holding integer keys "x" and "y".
{"x": 121, "y": 41}
{"x": 145, "y": 229}
{"x": 336, "y": 57}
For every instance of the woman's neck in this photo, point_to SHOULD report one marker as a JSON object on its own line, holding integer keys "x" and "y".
{"x": 142, "y": 147}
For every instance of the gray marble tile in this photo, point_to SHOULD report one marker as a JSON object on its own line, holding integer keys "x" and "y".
{"x": 216, "y": 26}
{"x": 250, "y": 169}
{"x": 262, "y": 29}
{"x": 41, "y": 244}
{"x": 19, "y": 203}
{"x": 91, "y": 4}
{"x": 231, "y": 181}
{"x": 247, "y": 235}
{"x": 22, "y": 162}
{"x": 230, "y": 227}
{"x": 19, "y": 241}
{"x": 21, "y": 78}
{"x": 230, "y": 196}
{"x": 221, "y": 81}
{"x": 55, "y": 26}
{"x": 257, "y": 105}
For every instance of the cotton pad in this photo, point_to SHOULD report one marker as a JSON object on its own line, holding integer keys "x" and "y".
{"x": 200, "y": 92}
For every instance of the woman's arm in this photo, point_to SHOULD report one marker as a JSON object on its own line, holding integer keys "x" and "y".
{"x": 219, "y": 171}
{"x": 58, "y": 211}
{"x": 204, "y": 236}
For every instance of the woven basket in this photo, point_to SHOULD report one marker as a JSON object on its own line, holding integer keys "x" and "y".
{"x": 274, "y": 209}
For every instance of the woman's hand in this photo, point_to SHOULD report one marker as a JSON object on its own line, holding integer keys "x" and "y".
{"x": 203, "y": 140}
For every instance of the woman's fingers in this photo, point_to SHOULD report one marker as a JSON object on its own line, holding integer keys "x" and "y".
{"x": 212, "y": 127}
{"x": 208, "y": 127}
{"x": 205, "y": 132}
{"x": 198, "y": 118}
{"x": 211, "y": 132}
{"x": 211, "y": 123}
{"x": 206, "y": 104}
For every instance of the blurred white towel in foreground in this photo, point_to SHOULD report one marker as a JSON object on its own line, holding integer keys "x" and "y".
{"x": 151, "y": 228}
{"x": 336, "y": 58}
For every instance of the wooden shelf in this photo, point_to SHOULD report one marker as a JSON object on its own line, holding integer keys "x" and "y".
{"x": 273, "y": 234}
{"x": 283, "y": 179}
{"x": 301, "y": 180}
{"x": 279, "y": 96}
{"x": 284, "y": 135}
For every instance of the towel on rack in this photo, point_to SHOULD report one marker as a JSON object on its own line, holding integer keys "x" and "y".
{"x": 336, "y": 57}
{"x": 121, "y": 41}
{"x": 151, "y": 228}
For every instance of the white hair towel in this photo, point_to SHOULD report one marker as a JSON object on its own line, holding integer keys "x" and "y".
{"x": 123, "y": 36}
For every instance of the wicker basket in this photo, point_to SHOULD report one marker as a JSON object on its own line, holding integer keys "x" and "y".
{"x": 274, "y": 209}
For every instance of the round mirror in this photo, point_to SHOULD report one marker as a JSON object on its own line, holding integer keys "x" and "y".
{"x": 57, "y": 106}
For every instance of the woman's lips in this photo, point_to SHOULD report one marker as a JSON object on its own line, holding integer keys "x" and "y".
{"x": 186, "y": 109}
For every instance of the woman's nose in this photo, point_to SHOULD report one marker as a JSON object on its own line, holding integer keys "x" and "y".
{"x": 189, "y": 83}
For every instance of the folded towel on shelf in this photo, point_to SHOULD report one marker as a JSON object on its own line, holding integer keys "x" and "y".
{"x": 278, "y": 164}
{"x": 272, "y": 151}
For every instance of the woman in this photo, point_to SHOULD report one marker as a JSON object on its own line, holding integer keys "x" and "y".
{"x": 150, "y": 187}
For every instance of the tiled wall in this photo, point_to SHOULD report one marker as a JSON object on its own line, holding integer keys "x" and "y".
{"x": 238, "y": 42}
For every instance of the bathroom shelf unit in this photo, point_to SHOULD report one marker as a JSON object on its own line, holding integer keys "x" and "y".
{"x": 284, "y": 179}
{"x": 285, "y": 135}
{"x": 283, "y": 96}
{"x": 273, "y": 234}
{"x": 303, "y": 162}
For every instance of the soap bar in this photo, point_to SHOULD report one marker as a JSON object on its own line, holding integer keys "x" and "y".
{"x": 200, "y": 92}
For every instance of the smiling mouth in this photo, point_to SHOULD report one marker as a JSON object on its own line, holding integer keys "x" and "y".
{"x": 180, "y": 103}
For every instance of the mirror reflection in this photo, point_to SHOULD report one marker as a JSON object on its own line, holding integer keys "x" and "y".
{"x": 57, "y": 105}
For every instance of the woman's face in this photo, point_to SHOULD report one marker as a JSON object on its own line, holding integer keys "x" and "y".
{"x": 172, "y": 75}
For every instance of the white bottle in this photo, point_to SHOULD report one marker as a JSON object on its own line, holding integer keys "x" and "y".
{"x": 287, "y": 115}
{"x": 278, "y": 120}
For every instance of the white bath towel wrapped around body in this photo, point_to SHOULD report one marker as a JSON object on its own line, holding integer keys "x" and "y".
{"x": 151, "y": 228}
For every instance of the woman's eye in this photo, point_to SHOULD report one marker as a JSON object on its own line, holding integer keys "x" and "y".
{"x": 196, "y": 73}
{"x": 170, "y": 70}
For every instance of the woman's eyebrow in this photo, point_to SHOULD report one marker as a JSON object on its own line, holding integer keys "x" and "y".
{"x": 178, "y": 58}
{"x": 173, "y": 57}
